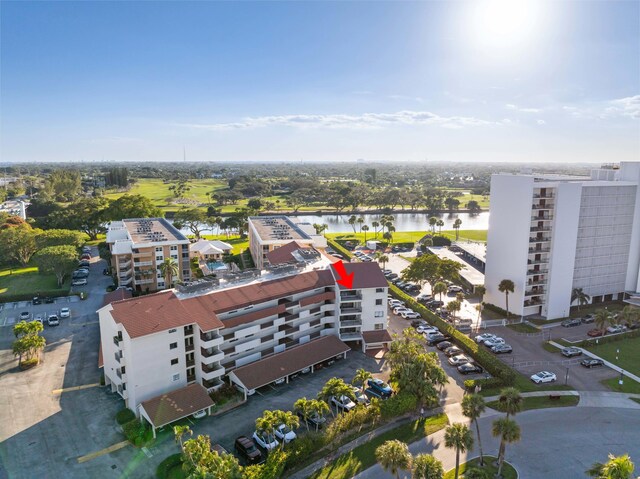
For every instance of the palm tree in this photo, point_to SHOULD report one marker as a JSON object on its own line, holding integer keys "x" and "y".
{"x": 456, "y": 226}
{"x": 352, "y": 222}
{"x": 480, "y": 291}
{"x": 479, "y": 310}
{"x": 364, "y": 228}
{"x": 360, "y": 221}
{"x": 394, "y": 455}
{"x": 267, "y": 424}
{"x": 361, "y": 377}
{"x": 506, "y": 286}
{"x": 473, "y": 405}
{"x": 318, "y": 409}
{"x": 509, "y": 432}
{"x": 168, "y": 269}
{"x": 619, "y": 467}
{"x": 629, "y": 315}
{"x": 458, "y": 437}
{"x": 439, "y": 288}
{"x": 375, "y": 226}
{"x": 303, "y": 407}
{"x": 433, "y": 221}
{"x": 179, "y": 432}
{"x": 602, "y": 319}
{"x": 335, "y": 387}
{"x": 387, "y": 237}
{"x": 453, "y": 307}
{"x": 381, "y": 258}
{"x": 287, "y": 418}
{"x": 440, "y": 224}
{"x": 580, "y": 296}
{"x": 510, "y": 401}
{"x": 460, "y": 296}
{"x": 425, "y": 466}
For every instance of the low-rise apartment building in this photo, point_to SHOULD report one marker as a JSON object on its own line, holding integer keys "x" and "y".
{"x": 157, "y": 343}
{"x": 267, "y": 233}
{"x": 139, "y": 246}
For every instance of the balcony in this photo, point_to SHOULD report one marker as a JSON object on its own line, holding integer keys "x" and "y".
{"x": 350, "y": 297}
{"x": 534, "y": 272}
{"x": 118, "y": 356}
{"x": 537, "y": 283}
{"x": 542, "y": 218}
{"x": 212, "y": 384}
{"x": 140, "y": 280}
{"x": 210, "y": 339}
{"x": 350, "y": 323}
{"x": 125, "y": 264}
{"x": 191, "y": 378}
{"x": 124, "y": 274}
{"x": 188, "y": 330}
{"x": 125, "y": 281}
{"x": 543, "y": 239}
{"x": 351, "y": 336}
{"x": 539, "y": 291}
{"x": 539, "y": 250}
{"x": 190, "y": 363}
{"x": 532, "y": 302}
{"x": 538, "y": 261}
{"x": 291, "y": 317}
{"x": 142, "y": 254}
{"x": 545, "y": 195}
{"x": 291, "y": 304}
{"x": 119, "y": 373}
{"x": 212, "y": 354}
{"x": 188, "y": 347}
{"x": 344, "y": 311}
{"x": 142, "y": 263}
{"x": 116, "y": 340}
{"x": 212, "y": 372}
{"x": 542, "y": 207}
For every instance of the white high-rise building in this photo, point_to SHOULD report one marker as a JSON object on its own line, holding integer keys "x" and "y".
{"x": 550, "y": 234}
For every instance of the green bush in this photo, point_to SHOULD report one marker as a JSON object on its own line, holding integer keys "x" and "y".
{"x": 28, "y": 363}
{"x": 493, "y": 365}
{"x": 470, "y": 384}
{"x": 398, "y": 405}
{"x": 52, "y": 293}
{"x": 339, "y": 248}
{"x": 164, "y": 469}
{"x": 498, "y": 309}
{"x": 124, "y": 416}
{"x": 137, "y": 433}
{"x": 303, "y": 447}
{"x": 441, "y": 241}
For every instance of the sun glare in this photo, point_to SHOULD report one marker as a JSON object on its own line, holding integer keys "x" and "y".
{"x": 504, "y": 24}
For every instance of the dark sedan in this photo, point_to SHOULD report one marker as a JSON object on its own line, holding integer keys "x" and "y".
{"x": 569, "y": 323}
{"x": 444, "y": 345}
{"x": 591, "y": 363}
{"x": 470, "y": 368}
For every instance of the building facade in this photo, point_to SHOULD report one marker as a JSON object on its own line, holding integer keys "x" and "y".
{"x": 267, "y": 233}
{"x": 139, "y": 246}
{"x": 154, "y": 344}
{"x": 552, "y": 234}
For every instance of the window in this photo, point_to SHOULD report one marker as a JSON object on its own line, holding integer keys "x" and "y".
{"x": 158, "y": 258}
{"x": 378, "y": 314}
{"x": 185, "y": 255}
{"x": 174, "y": 361}
{"x": 176, "y": 377}
{"x": 174, "y": 248}
{"x": 158, "y": 249}
{"x": 379, "y": 290}
{"x": 124, "y": 386}
{"x": 378, "y": 326}
{"x": 185, "y": 272}
{"x": 173, "y": 345}
{"x": 172, "y": 330}
{"x": 378, "y": 302}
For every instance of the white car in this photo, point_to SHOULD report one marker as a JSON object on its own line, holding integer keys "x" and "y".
{"x": 404, "y": 314}
{"x": 65, "y": 312}
{"x": 426, "y": 329}
{"x": 285, "y": 433}
{"x": 199, "y": 414}
{"x": 454, "y": 289}
{"x": 265, "y": 441}
{"x": 39, "y": 318}
{"x": 458, "y": 360}
{"x": 79, "y": 282}
{"x": 483, "y": 337}
{"x": 361, "y": 398}
{"x": 616, "y": 329}
{"x": 343, "y": 402}
{"x": 412, "y": 316}
{"x": 400, "y": 309}
{"x": 543, "y": 377}
{"x": 491, "y": 342}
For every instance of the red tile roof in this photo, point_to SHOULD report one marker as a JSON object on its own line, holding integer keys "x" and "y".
{"x": 283, "y": 253}
{"x": 177, "y": 404}
{"x": 377, "y": 336}
{"x": 366, "y": 275}
{"x": 161, "y": 311}
{"x": 267, "y": 370}
{"x": 116, "y": 295}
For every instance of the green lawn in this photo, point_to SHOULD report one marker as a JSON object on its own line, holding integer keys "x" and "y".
{"x": 636, "y": 400}
{"x": 239, "y": 244}
{"x": 629, "y": 385}
{"x": 508, "y": 472}
{"x": 629, "y": 357}
{"x": 27, "y": 281}
{"x": 523, "y": 328}
{"x": 525, "y": 385}
{"x": 541, "y": 402}
{"x": 470, "y": 235}
{"x": 548, "y": 347}
{"x": 363, "y": 457}
{"x": 410, "y": 236}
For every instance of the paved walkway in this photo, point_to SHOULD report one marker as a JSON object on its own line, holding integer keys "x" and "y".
{"x": 607, "y": 363}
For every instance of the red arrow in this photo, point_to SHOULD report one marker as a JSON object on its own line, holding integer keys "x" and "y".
{"x": 344, "y": 279}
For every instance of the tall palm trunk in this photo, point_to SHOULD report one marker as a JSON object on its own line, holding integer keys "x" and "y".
{"x": 506, "y": 298}
{"x": 457, "y": 463}
{"x": 501, "y": 457}
{"x": 479, "y": 442}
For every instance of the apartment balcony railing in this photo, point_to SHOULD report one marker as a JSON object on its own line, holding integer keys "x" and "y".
{"x": 188, "y": 330}
{"x": 537, "y": 283}
{"x": 542, "y": 218}
{"x": 543, "y": 239}
{"x": 211, "y": 384}
{"x": 542, "y": 207}
{"x": 118, "y": 355}
{"x": 191, "y": 362}
{"x": 538, "y": 261}
{"x": 142, "y": 263}
{"x": 350, "y": 297}
{"x": 350, "y": 323}
{"x": 532, "y": 302}
{"x": 291, "y": 304}
{"x": 125, "y": 274}
{"x": 344, "y": 311}
{"x": 351, "y": 336}
{"x": 535, "y": 229}
{"x": 191, "y": 378}
{"x": 534, "y": 292}
{"x": 546, "y": 195}
{"x": 188, "y": 347}
{"x": 143, "y": 254}
{"x": 119, "y": 373}
{"x": 211, "y": 353}
{"x": 291, "y": 317}
{"x": 116, "y": 340}
{"x": 141, "y": 280}
{"x": 533, "y": 272}
{"x": 211, "y": 339}
{"x": 539, "y": 250}
{"x": 125, "y": 264}
{"x": 208, "y": 368}
{"x": 125, "y": 281}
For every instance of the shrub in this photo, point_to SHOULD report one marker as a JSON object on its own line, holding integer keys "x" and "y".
{"x": 470, "y": 384}
{"x": 303, "y": 447}
{"x": 498, "y": 309}
{"x": 137, "y": 433}
{"x": 165, "y": 467}
{"x": 124, "y": 416}
{"x": 441, "y": 241}
{"x": 339, "y": 248}
{"x": 28, "y": 363}
{"x": 223, "y": 394}
{"x": 493, "y": 365}
{"x": 398, "y": 405}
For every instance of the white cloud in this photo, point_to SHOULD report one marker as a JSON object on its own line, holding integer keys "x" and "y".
{"x": 628, "y": 107}
{"x": 541, "y": 122}
{"x": 511, "y": 106}
{"x": 341, "y": 121}
{"x": 418, "y": 99}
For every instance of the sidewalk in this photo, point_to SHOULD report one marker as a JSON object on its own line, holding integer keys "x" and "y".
{"x": 607, "y": 363}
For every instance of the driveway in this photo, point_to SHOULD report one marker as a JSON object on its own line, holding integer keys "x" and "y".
{"x": 561, "y": 442}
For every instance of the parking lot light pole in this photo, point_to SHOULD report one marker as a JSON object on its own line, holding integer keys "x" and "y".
{"x": 566, "y": 376}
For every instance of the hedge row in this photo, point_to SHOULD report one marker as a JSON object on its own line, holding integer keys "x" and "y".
{"x": 339, "y": 248}
{"x": 53, "y": 293}
{"x": 498, "y": 309}
{"x": 493, "y": 365}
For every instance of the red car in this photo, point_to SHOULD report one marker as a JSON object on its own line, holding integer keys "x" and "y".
{"x": 594, "y": 333}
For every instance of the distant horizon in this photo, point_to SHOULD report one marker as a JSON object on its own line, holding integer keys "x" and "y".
{"x": 497, "y": 81}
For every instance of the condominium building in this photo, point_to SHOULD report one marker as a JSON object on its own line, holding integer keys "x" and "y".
{"x": 267, "y": 233}
{"x": 550, "y": 234}
{"x": 251, "y": 334}
{"x": 139, "y": 246}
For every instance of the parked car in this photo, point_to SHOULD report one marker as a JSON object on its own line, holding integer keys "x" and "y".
{"x": 501, "y": 349}
{"x": 53, "y": 320}
{"x": 568, "y": 323}
{"x": 469, "y": 368}
{"x": 343, "y": 402}
{"x": 380, "y": 387}
{"x": 264, "y": 441}
{"x": 247, "y": 449}
{"x": 594, "y": 333}
{"x": 399, "y": 309}
{"x": 481, "y": 338}
{"x": 452, "y": 350}
{"x": 80, "y": 274}
{"x": 458, "y": 360}
{"x": 314, "y": 420}
{"x": 279, "y": 381}
{"x": 65, "y": 312}
{"x": 84, "y": 264}
{"x": 36, "y": 300}
{"x": 419, "y": 322}
{"x": 454, "y": 289}
{"x": 25, "y": 316}
{"x": 285, "y": 433}
{"x": 444, "y": 345}
{"x": 590, "y": 363}
{"x": 491, "y": 342}
{"x": 49, "y": 300}
{"x": 198, "y": 414}
{"x": 412, "y": 315}
{"x": 361, "y": 398}
{"x": 620, "y": 328}
{"x": 392, "y": 276}
{"x": 86, "y": 249}
{"x": 85, "y": 256}
{"x": 79, "y": 282}
{"x": 570, "y": 352}
{"x": 589, "y": 318}
{"x": 39, "y": 318}
{"x": 543, "y": 377}
{"x": 435, "y": 338}
{"x": 435, "y": 304}
{"x": 427, "y": 329}
{"x": 405, "y": 313}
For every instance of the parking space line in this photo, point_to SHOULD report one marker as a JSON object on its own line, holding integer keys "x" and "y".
{"x": 74, "y": 388}
{"x": 102, "y": 452}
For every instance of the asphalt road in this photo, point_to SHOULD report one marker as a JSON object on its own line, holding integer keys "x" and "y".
{"x": 556, "y": 443}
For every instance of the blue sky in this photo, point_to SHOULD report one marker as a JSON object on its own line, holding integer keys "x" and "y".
{"x": 449, "y": 81}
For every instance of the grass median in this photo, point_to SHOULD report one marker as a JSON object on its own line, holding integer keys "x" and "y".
{"x": 540, "y": 402}
{"x": 490, "y": 467}
{"x": 364, "y": 456}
